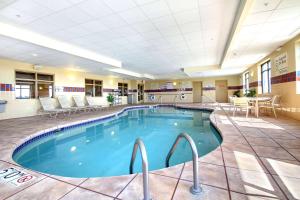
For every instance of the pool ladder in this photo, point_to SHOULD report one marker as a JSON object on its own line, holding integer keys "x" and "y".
{"x": 195, "y": 189}
{"x": 140, "y": 144}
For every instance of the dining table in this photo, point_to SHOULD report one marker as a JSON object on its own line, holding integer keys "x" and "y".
{"x": 256, "y": 101}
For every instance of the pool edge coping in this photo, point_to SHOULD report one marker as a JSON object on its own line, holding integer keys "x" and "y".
{"x": 49, "y": 131}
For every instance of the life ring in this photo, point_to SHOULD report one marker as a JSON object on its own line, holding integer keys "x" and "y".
{"x": 182, "y": 96}
{"x": 152, "y": 97}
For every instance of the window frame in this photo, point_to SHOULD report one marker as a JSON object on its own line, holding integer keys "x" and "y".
{"x": 124, "y": 89}
{"x": 35, "y": 81}
{"x": 269, "y": 76}
{"x": 94, "y": 84}
{"x": 246, "y": 82}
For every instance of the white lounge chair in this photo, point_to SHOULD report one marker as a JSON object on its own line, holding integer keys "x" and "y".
{"x": 49, "y": 108}
{"x": 80, "y": 103}
{"x": 65, "y": 104}
{"x": 91, "y": 102}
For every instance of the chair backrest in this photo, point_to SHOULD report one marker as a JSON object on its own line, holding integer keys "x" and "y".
{"x": 240, "y": 101}
{"x": 276, "y": 100}
{"x": 78, "y": 101}
{"x": 90, "y": 101}
{"x": 47, "y": 103}
{"x": 231, "y": 98}
{"x": 63, "y": 101}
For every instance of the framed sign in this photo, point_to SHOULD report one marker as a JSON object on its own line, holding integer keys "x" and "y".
{"x": 280, "y": 63}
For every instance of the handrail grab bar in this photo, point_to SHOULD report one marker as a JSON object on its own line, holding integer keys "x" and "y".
{"x": 195, "y": 189}
{"x": 139, "y": 144}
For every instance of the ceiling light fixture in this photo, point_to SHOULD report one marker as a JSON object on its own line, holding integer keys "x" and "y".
{"x": 34, "y": 54}
{"x": 35, "y": 38}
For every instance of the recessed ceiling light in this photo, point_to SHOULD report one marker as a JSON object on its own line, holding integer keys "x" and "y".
{"x": 34, "y": 54}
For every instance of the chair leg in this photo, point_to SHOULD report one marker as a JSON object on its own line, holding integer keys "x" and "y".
{"x": 234, "y": 109}
{"x": 247, "y": 112}
{"x": 274, "y": 111}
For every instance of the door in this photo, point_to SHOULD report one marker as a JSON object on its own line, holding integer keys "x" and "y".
{"x": 140, "y": 92}
{"x": 221, "y": 91}
{"x": 197, "y": 91}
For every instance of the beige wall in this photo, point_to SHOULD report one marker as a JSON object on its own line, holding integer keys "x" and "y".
{"x": 290, "y": 100}
{"x": 170, "y": 97}
{"x": 67, "y": 78}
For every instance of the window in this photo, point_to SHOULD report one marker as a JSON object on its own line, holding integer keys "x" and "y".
{"x": 25, "y": 90}
{"x": 30, "y": 85}
{"x": 246, "y": 82}
{"x": 93, "y": 88}
{"x": 140, "y": 92}
{"x": 123, "y": 89}
{"x": 266, "y": 77}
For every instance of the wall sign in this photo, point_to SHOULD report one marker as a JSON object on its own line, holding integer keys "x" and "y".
{"x": 14, "y": 177}
{"x": 281, "y": 63}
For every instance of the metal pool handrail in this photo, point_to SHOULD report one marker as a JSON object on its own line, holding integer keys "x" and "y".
{"x": 195, "y": 189}
{"x": 139, "y": 144}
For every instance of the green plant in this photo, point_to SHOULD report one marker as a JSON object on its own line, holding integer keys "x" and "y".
{"x": 251, "y": 93}
{"x": 110, "y": 99}
{"x": 237, "y": 93}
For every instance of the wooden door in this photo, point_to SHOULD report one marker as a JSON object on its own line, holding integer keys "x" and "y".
{"x": 221, "y": 91}
{"x": 197, "y": 91}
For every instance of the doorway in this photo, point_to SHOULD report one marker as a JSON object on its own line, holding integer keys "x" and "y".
{"x": 197, "y": 91}
{"x": 221, "y": 91}
{"x": 140, "y": 92}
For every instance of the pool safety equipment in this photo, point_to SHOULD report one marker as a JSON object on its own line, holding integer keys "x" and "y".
{"x": 140, "y": 144}
{"x": 151, "y": 97}
{"x": 195, "y": 189}
{"x": 182, "y": 96}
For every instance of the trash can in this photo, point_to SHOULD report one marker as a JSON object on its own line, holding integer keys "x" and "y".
{"x": 2, "y": 105}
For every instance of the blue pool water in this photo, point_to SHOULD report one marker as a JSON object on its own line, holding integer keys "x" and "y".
{"x": 104, "y": 148}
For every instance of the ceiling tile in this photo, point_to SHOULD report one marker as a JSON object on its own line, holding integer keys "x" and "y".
{"x": 262, "y": 6}
{"x": 181, "y": 5}
{"x": 285, "y": 14}
{"x": 118, "y": 5}
{"x": 156, "y": 9}
{"x": 133, "y": 15}
{"x": 258, "y": 18}
{"x": 54, "y": 5}
{"x": 94, "y": 26}
{"x": 163, "y": 22}
{"x": 143, "y": 27}
{"x": 95, "y": 8}
{"x": 113, "y": 21}
{"x": 187, "y": 16}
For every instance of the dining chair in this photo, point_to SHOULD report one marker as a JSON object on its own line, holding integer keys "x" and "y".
{"x": 231, "y": 100}
{"x": 242, "y": 103}
{"x": 272, "y": 104}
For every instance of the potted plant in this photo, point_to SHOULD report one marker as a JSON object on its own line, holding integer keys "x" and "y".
{"x": 237, "y": 93}
{"x": 110, "y": 99}
{"x": 251, "y": 93}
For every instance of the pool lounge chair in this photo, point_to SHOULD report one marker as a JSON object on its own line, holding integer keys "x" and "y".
{"x": 64, "y": 103}
{"x": 80, "y": 104}
{"x": 49, "y": 108}
{"x": 91, "y": 102}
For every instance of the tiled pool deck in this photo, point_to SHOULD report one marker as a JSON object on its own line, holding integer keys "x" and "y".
{"x": 258, "y": 159}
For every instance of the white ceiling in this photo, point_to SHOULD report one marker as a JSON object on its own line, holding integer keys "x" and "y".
{"x": 269, "y": 25}
{"x": 157, "y": 37}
